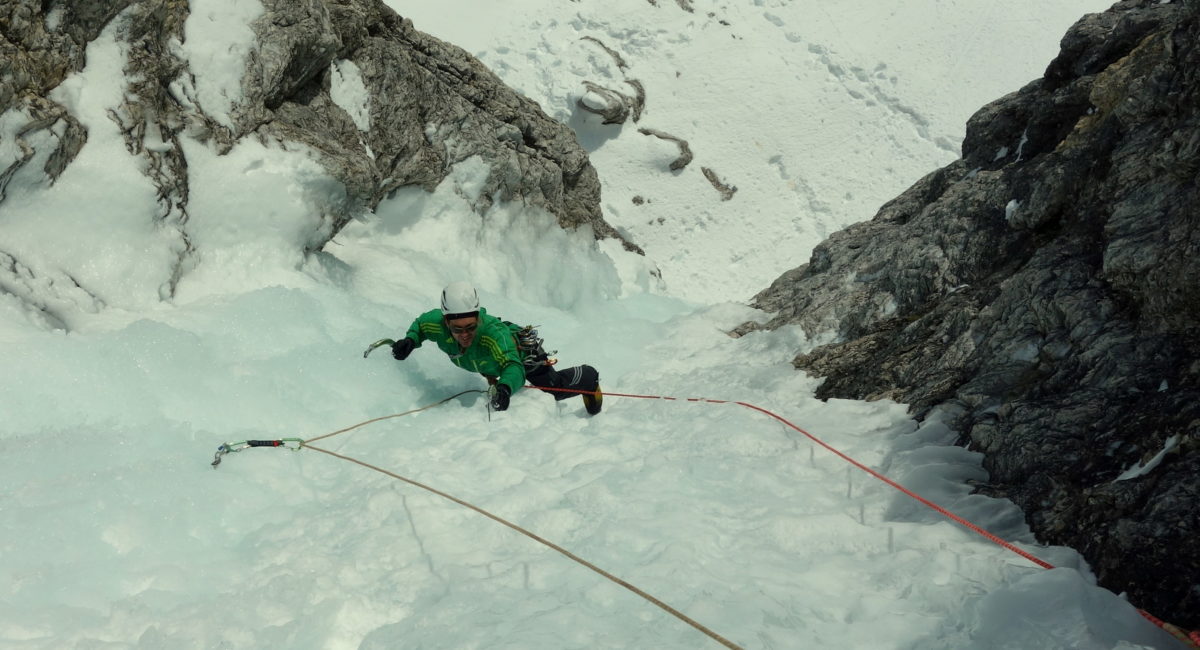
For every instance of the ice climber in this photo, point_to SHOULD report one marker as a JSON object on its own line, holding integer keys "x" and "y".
{"x": 506, "y": 354}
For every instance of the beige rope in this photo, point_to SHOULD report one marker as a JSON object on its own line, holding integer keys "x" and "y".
{"x": 388, "y": 417}
{"x": 665, "y": 607}
{"x": 671, "y": 610}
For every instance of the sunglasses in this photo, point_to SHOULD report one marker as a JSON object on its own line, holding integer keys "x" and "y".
{"x": 465, "y": 329}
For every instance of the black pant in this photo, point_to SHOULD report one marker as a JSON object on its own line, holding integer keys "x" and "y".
{"x": 583, "y": 378}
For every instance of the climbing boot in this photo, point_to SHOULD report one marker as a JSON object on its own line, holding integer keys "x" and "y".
{"x": 593, "y": 401}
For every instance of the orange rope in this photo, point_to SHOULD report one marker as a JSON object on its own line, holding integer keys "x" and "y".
{"x": 1192, "y": 639}
{"x": 953, "y": 517}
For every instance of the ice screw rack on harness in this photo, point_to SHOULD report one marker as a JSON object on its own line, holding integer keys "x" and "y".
{"x": 530, "y": 346}
{"x": 230, "y": 447}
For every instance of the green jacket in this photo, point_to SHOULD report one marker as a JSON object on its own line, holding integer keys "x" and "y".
{"x": 493, "y": 351}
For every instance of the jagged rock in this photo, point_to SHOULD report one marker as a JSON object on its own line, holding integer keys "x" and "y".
{"x": 416, "y": 81}
{"x": 40, "y": 48}
{"x": 685, "y": 151}
{"x": 612, "y": 105}
{"x": 431, "y": 105}
{"x": 46, "y": 128}
{"x": 43, "y": 298}
{"x": 1046, "y": 284}
{"x": 616, "y": 56}
{"x": 615, "y": 107}
{"x": 727, "y": 191}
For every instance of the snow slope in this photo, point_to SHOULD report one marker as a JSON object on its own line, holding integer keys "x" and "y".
{"x": 116, "y": 532}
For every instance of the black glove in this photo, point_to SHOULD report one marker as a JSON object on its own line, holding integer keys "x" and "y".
{"x": 501, "y": 396}
{"x": 402, "y": 348}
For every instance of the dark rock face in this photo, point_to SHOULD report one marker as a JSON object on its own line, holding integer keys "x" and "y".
{"x": 430, "y": 106}
{"x": 1049, "y": 284}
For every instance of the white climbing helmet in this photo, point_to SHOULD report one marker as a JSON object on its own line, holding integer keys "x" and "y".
{"x": 459, "y": 300}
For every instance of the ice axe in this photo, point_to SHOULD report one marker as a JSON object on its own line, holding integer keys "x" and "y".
{"x": 375, "y": 345}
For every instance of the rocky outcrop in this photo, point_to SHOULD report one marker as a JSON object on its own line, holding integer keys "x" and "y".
{"x": 1047, "y": 287}
{"x": 39, "y": 51}
{"x": 430, "y": 105}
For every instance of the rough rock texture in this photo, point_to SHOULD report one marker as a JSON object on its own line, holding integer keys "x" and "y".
{"x": 431, "y": 105}
{"x": 1048, "y": 286}
{"x": 34, "y": 59}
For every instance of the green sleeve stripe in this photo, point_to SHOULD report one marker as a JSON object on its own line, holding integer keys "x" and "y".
{"x": 493, "y": 347}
